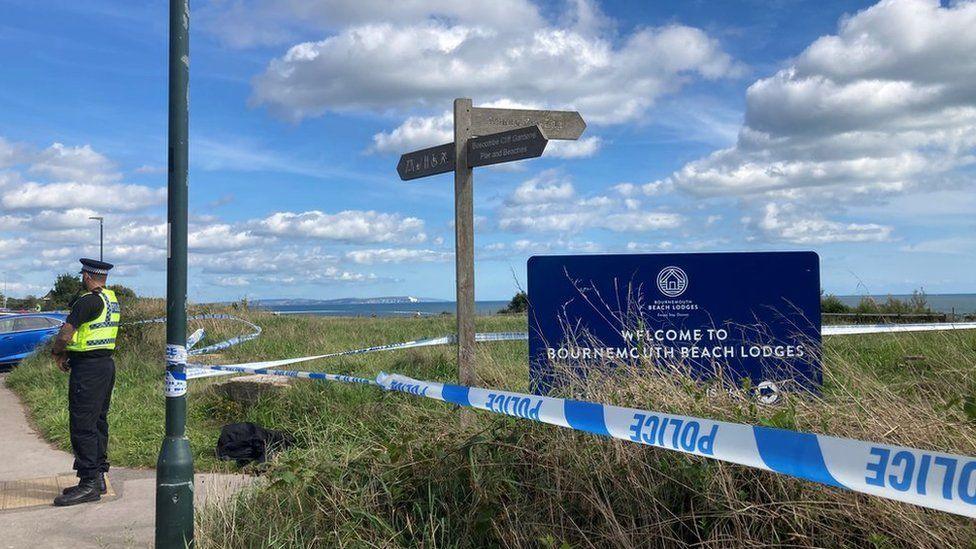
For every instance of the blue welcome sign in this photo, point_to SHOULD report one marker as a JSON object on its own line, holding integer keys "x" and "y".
{"x": 752, "y": 315}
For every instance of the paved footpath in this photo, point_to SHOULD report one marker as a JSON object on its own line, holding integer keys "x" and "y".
{"x": 126, "y": 521}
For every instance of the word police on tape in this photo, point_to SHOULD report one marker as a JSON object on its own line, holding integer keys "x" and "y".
{"x": 930, "y": 479}
{"x": 936, "y": 480}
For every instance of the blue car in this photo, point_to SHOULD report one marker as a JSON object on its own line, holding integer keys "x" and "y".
{"x": 21, "y": 334}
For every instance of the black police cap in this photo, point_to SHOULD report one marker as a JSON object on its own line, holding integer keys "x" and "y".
{"x": 95, "y": 266}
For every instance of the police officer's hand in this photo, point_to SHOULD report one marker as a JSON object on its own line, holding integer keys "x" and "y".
{"x": 62, "y": 362}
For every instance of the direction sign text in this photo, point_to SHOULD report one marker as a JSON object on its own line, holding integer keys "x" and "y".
{"x": 555, "y": 124}
{"x": 507, "y": 146}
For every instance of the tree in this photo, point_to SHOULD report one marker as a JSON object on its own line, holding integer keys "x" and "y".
{"x": 125, "y": 295}
{"x": 518, "y": 304}
{"x": 66, "y": 288}
{"x": 29, "y": 303}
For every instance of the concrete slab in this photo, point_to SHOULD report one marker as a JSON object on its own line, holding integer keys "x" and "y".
{"x": 25, "y": 455}
{"x": 125, "y": 521}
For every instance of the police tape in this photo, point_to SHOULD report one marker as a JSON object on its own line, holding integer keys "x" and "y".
{"x": 860, "y": 329}
{"x": 195, "y": 337}
{"x": 936, "y": 480}
{"x": 320, "y": 376}
{"x": 197, "y": 371}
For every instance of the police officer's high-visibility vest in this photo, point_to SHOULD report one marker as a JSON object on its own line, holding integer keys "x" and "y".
{"x": 100, "y": 332}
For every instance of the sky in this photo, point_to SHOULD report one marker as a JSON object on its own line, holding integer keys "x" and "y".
{"x": 847, "y": 128}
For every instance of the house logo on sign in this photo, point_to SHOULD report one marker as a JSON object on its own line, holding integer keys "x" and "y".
{"x": 672, "y": 281}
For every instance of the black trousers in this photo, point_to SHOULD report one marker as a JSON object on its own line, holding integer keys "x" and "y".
{"x": 89, "y": 394}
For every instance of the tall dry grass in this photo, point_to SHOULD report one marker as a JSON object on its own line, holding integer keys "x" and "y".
{"x": 391, "y": 470}
{"x": 377, "y": 469}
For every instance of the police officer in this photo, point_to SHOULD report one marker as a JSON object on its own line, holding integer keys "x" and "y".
{"x": 84, "y": 348}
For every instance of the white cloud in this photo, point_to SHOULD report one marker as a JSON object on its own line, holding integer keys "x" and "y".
{"x": 549, "y": 203}
{"x": 640, "y": 221}
{"x": 335, "y": 274}
{"x": 18, "y": 288}
{"x": 786, "y": 223}
{"x": 60, "y": 163}
{"x": 54, "y": 220}
{"x": 232, "y": 281}
{"x": 647, "y": 189}
{"x": 10, "y": 247}
{"x": 112, "y": 197}
{"x": 581, "y": 148}
{"x": 58, "y": 253}
{"x": 885, "y": 107}
{"x": 137, "y": 255}
{"x": 416, "y": 132}
{"x": 221, "y": 237}
{"x": 53, "y": 215}
{"x": 10, "y": 222}
{"x": 351, "y": 226}
{"x": 427, "y": 62}
{"x": 524, "y": 246}
{"x": 397, "y": 255}
{"x": 140, "y": 231}
{"x": 51, "y": 219}
{"x": 640, "y": 247}
{"x": 149, "y": 169}
{"x": 246, "y": 23}
{"x": 546, "y": 187}
{"x": 9, "y": 154}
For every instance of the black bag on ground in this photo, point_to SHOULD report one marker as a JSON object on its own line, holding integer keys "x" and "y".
{"x": 248, "y": 442}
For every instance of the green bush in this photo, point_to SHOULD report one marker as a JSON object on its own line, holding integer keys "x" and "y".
{"x": 830, "y": 304}
{"x": 518, "y": 304}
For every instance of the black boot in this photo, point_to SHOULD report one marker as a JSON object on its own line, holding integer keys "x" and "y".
{"x": 101, "y": 485}
{"x": 87, "y": 490}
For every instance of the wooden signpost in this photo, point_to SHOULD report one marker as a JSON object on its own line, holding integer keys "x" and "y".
{"x": 482, "y": 137}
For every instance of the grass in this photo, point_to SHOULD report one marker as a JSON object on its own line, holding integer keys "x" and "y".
{"x": 381, "y": 469}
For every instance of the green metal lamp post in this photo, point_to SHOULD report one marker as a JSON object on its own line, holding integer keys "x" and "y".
{"x": 174, "y": 469}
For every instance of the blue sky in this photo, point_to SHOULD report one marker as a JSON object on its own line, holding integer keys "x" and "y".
{"x": 841, "y": 127}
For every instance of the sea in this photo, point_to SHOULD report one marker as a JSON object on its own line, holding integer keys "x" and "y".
{"x": 942, "y": 303}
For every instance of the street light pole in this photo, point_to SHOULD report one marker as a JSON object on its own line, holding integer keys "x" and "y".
{"x": 174, "y": 469}
{"x": 101, "y": 236}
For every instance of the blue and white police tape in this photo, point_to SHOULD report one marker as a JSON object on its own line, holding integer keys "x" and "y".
{"x": 321, "y": 376}
{"x": 936, "y": 480}
{"x": 229, "y": 342}
{"x": 857, "y": 329}
{"x": 196, "y": 371}
{"x": 199, "y": 371}
{"x": 195, "y": 337}
{"x": 174, "y": 384}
